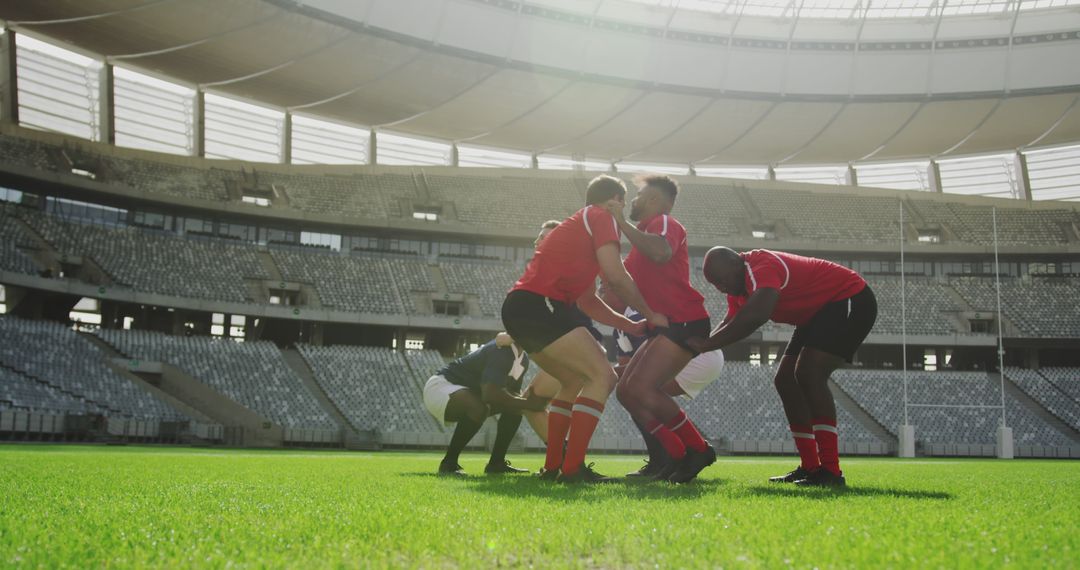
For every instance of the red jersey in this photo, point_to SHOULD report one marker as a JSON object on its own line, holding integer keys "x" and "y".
{"x": 666, "y": 286}
{"x": 806, "y": 284}
{"x": 564, "y": 267}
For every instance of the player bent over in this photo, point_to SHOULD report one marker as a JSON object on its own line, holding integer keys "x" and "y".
{"x": 832, "y": 308}
{"x": 469, "y": 389}
{"x": 535, "y": 313}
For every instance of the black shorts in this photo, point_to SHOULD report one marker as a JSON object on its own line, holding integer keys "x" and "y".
{"x": 838, "y": 328}
{"x": 535, "y": 321}
{"x": 583, "y": 320}
{"x": 679, "y": 333}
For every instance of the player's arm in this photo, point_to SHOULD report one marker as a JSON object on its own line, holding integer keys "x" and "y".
{"x": 493, "y": 385}
{"x": 499, "y": 400}
{"x": 610, "y": 298}
{"x": 596, "y": 309}
{"x": 613, "y": 272}
{"x": 756, "y": 312}
{"x": 653, "y": 246}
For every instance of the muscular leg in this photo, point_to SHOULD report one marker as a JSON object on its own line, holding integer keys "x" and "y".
{"x": 791, "y": 393}
{"x": 812, "y": 372}
{"x": 469, "y": 412}
{"x": 507, "y": 426}
{"x": 575, "y": 359}
{"x": 655, "y": 365}
{"x": 545, "y": 386}
{"x": 465, "y": 405}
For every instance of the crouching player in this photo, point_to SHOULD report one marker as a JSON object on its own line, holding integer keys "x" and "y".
{"x": 484, "y": 382}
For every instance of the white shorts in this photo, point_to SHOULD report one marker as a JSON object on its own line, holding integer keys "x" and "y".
{"x": 437, "y": 394}
{"x": 703, "y": 370}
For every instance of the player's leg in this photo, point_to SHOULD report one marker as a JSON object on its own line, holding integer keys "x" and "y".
{"x": 658, "y": 365}
{"x": 658, "y": 457}
{"x": 467, "y": 410}
{"x": 575, "y": 359}
{"x": 839, "y": 329}
{"x": 812, "y": 371}
{"x": 797, "y": 411}
{"x": 560, "y": 412}
{"x": 545, "y": 386}
{"x": 507, "y": 426}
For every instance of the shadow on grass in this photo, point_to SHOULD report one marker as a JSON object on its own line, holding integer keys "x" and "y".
{"x": 775, "y": 490}
{"x": 528, "y": 486}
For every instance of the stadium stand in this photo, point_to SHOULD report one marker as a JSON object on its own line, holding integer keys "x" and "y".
{"x": 151, "y": 261}
{"x": 58, "y": 358}
{"x": 709, "y": 210}
{"x": 488, "y": 280}
{"x": 1047, "y": 394}
{"x": 371, "y": 386}
{"x": 1065, "y": 379}
{"x": 253, "y": 374}
{"x": 833, "y": 218}
{"x": 346, "y": 282}
{"x": 927, "y": 316}
{"x": 1040, "y": 307}
{"x": 507, "y": 201}
{"x": 357, "y": 282}
{"x": 424, "y": 364}
{"x": 21, "y": 392}
{"x": 168, "y": 179}
{"x": 12, "y": 237}
{"x": 880, "y": 393}
{"x": 358, "y": 195}
{"x": 29, "y": 153}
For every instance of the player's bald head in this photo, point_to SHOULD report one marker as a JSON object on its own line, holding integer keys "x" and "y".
{"x": 723, "y": 268}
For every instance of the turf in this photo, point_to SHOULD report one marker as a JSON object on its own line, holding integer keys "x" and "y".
{"x": 66, "y": 506}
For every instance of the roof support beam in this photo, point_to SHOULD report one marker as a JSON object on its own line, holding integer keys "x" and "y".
{"x": 9, "y": 91}
{"x": 106, "y": 105}
{"x": 1023, "y": 181}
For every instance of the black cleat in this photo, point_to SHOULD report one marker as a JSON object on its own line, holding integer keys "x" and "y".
{"x": 502, "y": 468}
{"x": 545, "y": 475}
{"x": 692, "y": 464}
{"x": 796, "y": 475}
{"x": 822, "y": 477}
{"x": 667, "y": 470}
{"x": 649, "y": 470}
{"x": 451, "y": 470}
{"x": 584, "y": 475}
{"x": 594, "y": 477}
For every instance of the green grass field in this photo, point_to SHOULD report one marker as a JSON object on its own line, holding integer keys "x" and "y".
{"x": 68, "y": 506}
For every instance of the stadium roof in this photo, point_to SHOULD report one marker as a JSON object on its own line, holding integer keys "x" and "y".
{"x": 704, "y": 82}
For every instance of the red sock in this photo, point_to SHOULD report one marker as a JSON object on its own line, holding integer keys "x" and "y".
{"x": 582, "y": 425}
{"x": 827, "y": 443}
{"x": 671, "y": 442}
{"x": 806, "y": 444}
{"x": 558, "y": 425}
{"x": 687, "y": 432}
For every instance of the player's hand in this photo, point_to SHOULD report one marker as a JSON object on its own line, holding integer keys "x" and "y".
{"x": 535, "y": 403}
{"x": 503, "y": 340}
{"x": 616, "y": 208}
{"x": 698, "y": 344}
{"x": 637, "y": 328}
{"x": 657, "y": 321}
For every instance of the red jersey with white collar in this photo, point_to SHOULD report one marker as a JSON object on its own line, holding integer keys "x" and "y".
{"x": 564, "y": 267}
{"x": 806, "y": 284}
{"x": 666, "y": 286}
